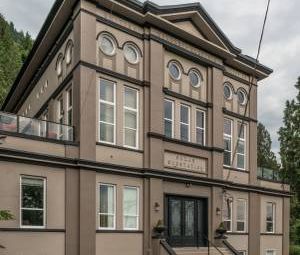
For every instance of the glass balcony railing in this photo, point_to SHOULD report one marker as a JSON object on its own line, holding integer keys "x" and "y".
{"x": 268, "y": 174}
{"x": 34, "y": 127}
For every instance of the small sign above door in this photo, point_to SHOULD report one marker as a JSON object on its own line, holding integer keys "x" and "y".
{"x": 184, "y": 162}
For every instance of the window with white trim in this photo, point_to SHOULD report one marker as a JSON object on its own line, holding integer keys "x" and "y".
{"x": 200, "y": 127}
{"x": 107, "y": 210}
{"x": 241, "y": 215}
{"x": 130, "y": 117}
{"x": 169, "y": 118}
{"x": 107, "y": 105}
{"x": 270, "y": 217}
{"x": 227, "y": 142}
{"x": 242, "y": 252}
{"x": 33, "y": 202}
{"x": 185, "y": 122}
{"x": 241, "y": 148}
{"x": 227, "y": 214}
{"x": 60, "y": 116}
{"x": 270, "y": 252}
{"x": 70, "y": 113}
{"x": 131, "y": 208}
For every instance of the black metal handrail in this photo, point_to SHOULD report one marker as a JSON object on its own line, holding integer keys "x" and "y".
{"x": 231, "y": 248}
{"x": 167, "y": 247}
{"x": 210, "y": 243}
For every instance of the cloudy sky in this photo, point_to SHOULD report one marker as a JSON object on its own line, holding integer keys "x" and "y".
{"x": 241, "y": 21}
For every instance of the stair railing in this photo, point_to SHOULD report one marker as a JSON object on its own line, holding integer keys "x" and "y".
{"x": 210, "y": 243}
{"x": 167, "y": 247}
{"x": 231, "y": 248}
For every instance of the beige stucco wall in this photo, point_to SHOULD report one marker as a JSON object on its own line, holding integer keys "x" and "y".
{"x": 271, "y": 243}
{"x": 10, "y": 192}
{"x": 239, "y": 242}
{"x": 236, "y": 176}
{"x": 127, "y": 244}
{"x": 120, "y": 182}
{"x": 18, "y": 243}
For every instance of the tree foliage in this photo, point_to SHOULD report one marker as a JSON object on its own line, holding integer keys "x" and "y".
{"x": 265, "y": 156}
{"x": 5, "y": 215}
{"x": 14, "y": 48}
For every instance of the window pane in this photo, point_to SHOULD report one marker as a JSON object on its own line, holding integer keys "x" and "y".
{"x": 106, "y": 132}
{"x": 227, "y": 225}
{"x": 240, "y": 226}
{"x": 168, "y": 128}
{"x": 107, "y": 113}
{"x": 227, "y": 158}
{"x": 130, "y": 119}
{"x": 32, "y": 218}
{"x": 107, "y": 197}
{"x": 168, "y": 110}
{"x": 130, "y": 222}
{"x": 241, "y": 147}
{"x": 130, "y": 137}
{"x": 107, "y": 91}
{"x": 200, "y": 119}
{"x": 241, "y": 161}
{"x": 189, "y": 218}
{"x": 184, "y": 114}
{"x": 200, "y": 136}
{"x": 269, "y": 212}
{"x": 241, "y": 209}
{"x": 241, "y": 130}
{"x": 184, "y": 132}
{"x": 270, "y": 227}
{"x": 130, "y": 98}
{"x": 227, "y": 144}
{"x": 107, "y": 221}
{"x": 130, "y": 202}
{"x": 175, "y": 218}
{"x": 227, "y": 127}
{"x": 32, "y": 193}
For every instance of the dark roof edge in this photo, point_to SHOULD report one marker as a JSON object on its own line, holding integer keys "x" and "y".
{"x": 57, "y": 4}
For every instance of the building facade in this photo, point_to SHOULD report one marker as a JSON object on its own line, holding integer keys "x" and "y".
{"x": 128, "y": 116}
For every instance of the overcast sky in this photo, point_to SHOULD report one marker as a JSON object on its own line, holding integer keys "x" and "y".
{"x": 241, "y": 21}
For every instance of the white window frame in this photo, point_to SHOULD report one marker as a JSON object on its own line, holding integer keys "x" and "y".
{"x": 242, "y": 139}
{"x": 231, "y": 216}
{"x": 70, "y": 109}
{"x": 201, "y": 128}
{"x": 137, "y": 118}
{"x": 229, "y": 137}
{"x": 173, "y": 115}
{"x": 137, "y": 206}
{"x": 34, "y": 209}
{"x": 243, "y": 252}
{"x": 186, "y": 124}
{"x": 272, "y": 251}
{"x": 108, "y": 214}
{"x": 60, "y": 116}
{"x": 244, "y": 201}
{"x": 114, "y": 111}
{"x": 274, "y": 215}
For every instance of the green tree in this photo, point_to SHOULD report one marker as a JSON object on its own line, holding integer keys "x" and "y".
{"x": 289, "y": 137}
{"x": 5, "y": 215}
{"x": 265, "y": 156}
{"x": 14, "y": 48}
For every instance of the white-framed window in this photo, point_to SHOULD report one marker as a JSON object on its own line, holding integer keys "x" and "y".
{"x": 175, "y": 71}
{"x": 131, "y": 116}
{"x": 242, "y": 97}
{"x": 107, "y": 106}
{"x": 200, "y": 127}
{"x": 270, "y": 217}
{"x": 107, "y": 44}
{"x": 241, "y": 149}
{"x": 32, "y": 202}
{"x": 60, "y": 116}
{"x": 69, "y": 53}
{"x": 70, "y": 112}
{"x": 59, "y": 65}
{"x": 107, "y": 206}
{"x": 227, "y": 142}
{"x": 241, "y": 215}
{"x": 243, "y": 252}
{"x": 228, "y": 91}
{"x": 227, "y": 213}
{"x": 185, "y": 122}
{"x": 131, "y": 53}
{"x": 169, "y": 118}
{"x": 270, "y": 252}
{"x": 195, "y": 78}
{"x": 131, "y": 208}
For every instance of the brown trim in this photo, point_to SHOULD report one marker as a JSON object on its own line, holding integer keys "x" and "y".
{"x": 119, "y": 147}
{"x": 62, "y": 162}
{"x": 271, "y": 234}
{"x": 115, "y": 74}
{"x": 237, "y": 233}
{"x": 186, "y": 98}
{"x": 119, "y": 231}
{"x": 177, "y": 141}
{"x": 30, "y": 230}
{"x": 239, "y": 116}
{"x": 236, "y": 169}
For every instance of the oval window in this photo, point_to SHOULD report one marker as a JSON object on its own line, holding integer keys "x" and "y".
{"x": 242, "y": 98}
{"x": 174, "y": 71}
{"x": 107, "y": 44}
{"x": 69, "y": 53}
{"x": 195, "y": 78}
{"x": 59, "y": 65}
{"x": 131, "y": 54}
{"x": 227, "y": 91}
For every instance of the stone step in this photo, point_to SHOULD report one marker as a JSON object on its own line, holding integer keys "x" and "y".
{"x": 201, "y": 251}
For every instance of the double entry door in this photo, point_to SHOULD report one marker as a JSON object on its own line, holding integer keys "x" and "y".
{"x": 187, "y": 221}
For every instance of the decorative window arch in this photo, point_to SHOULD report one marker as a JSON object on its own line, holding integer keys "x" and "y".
{"x": 228, "y": 91}
{"x": 196, "y": 77}
{"x": 69, "y": 52}
{"x": 59, "y": 64}
{"x": 175, "y": 70}
{"x": 107, "y": 43}
{"x": 242, "y": 96}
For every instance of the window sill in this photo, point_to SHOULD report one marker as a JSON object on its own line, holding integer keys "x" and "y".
{"x": 236, "y": 169}
{"x": 32, "y": 230}
{"x": 119, "y": 147}
{"x": 120, "y": 231}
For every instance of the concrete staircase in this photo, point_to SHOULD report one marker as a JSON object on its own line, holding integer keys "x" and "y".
{"x": 202, "y": 251}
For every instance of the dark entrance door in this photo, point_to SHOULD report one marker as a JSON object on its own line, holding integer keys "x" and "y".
{"x": 187, "y": 221}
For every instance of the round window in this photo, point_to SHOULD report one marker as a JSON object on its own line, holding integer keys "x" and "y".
{"x": 195, "y": 79}
{"x": 174, "y": 71}
{"x": 107, "y": 44}
{"x": 59, "y": 66}
{"x": 227, "y": 92}
{"x": 131, "y": 54}
{"x": 69, "y": 54}
{"x": 241, "y": 97}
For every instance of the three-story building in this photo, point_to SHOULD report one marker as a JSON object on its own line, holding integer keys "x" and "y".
{"x": 126, "y": 116}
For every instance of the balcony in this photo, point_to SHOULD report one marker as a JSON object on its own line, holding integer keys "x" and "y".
{"x": 14, "y": 124}
{"x": 269, "y": 174}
